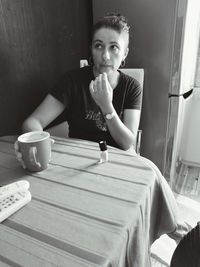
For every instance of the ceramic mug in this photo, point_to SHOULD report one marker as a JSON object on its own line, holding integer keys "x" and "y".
{"x": 35, "y": 150}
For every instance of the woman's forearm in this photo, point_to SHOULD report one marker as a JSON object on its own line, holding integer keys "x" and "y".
{"x": 44, "y": 114}
{"x": 120, "y": 133}
{"x": 31, "y": 124}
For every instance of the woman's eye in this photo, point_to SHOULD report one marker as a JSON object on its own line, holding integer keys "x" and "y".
{"x": 97, "y": 46}
{"x": 115, "y": 48}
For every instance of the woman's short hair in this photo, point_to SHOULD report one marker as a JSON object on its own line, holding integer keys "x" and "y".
{"x": 112, "y": 21}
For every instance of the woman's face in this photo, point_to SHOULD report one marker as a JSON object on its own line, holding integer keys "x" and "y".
{"x": 109, "y": 48}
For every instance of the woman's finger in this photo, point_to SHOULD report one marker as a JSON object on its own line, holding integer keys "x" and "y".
{"x": 91, "y": 87}
{"x": 108, "y": 89}
{"x": 16, "y": 146}
{"x": 18, "y": 155}
{"x": 104, "y": 81}
{"x": 95, "y": 86}
{"x": 99, "y": 83}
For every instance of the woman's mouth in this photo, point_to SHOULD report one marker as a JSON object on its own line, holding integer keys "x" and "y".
{"x": 105, "y": 66}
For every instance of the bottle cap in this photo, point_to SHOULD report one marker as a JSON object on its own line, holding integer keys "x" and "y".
{"x": 103, "y": 145}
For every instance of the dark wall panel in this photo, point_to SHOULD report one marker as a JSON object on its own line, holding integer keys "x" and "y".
{"x": 39, "y": 40}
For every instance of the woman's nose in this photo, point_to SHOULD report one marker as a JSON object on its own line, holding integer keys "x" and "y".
{"x": 106, "y": 54}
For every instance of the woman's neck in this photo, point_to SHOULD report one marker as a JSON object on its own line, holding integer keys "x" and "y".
{"x": 114, "y": 79}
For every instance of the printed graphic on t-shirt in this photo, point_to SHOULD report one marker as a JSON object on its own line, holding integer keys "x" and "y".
{"x": 98, "y": 118}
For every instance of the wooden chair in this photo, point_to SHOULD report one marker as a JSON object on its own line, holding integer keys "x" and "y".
{"x": 61, "y": 130}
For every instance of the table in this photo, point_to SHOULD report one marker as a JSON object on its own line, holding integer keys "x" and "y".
{"x": 83, "y": 213}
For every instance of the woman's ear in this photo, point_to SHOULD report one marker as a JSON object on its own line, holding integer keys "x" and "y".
{"x": 126, "y": 53}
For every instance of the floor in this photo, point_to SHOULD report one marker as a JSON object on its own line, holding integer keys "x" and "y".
{"x": 163, "y": 248}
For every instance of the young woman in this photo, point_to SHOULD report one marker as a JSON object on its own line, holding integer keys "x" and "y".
{"x": 101, "y": 102}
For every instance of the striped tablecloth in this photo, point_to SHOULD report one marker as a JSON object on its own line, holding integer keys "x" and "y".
{"x": 83, "y": 213}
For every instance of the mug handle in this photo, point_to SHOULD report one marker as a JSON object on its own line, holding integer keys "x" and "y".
{"x": 32, "y": 156}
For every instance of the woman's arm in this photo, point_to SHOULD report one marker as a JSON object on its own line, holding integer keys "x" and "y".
{"x": 45, "y": 113}
{"x": 124, "y": 133}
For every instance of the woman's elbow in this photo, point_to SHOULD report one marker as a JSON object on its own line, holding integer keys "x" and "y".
{"x": 129, "y": 142}
{"x": 127, "y": 147}
{"x": 31, "y": 124}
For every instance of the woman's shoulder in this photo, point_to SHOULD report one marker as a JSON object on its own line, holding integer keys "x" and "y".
{"x": 73, "y": 77}
{"x": 80, "y": 72}
{"x": 129, "y": 81}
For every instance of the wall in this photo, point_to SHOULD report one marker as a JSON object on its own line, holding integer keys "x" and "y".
{"x": 39, "y": 40}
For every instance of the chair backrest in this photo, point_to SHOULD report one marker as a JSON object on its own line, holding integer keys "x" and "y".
{"x": 137, "y": 74}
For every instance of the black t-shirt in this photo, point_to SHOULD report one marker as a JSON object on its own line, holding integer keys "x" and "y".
{"x": 83, "y": 115}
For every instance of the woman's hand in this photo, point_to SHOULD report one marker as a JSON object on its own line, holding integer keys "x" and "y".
{"x": 123, "y": 132}
{"x": 19, "y": 154}
{"x": 102, "y": 92}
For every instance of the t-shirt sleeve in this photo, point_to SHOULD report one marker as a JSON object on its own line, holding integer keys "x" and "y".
{"x": 62, "y": 89}
{"x": 133, "y": 95}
